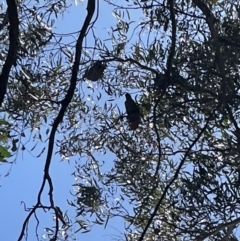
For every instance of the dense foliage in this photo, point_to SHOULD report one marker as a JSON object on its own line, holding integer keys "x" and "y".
{"x": 177, "y": 176}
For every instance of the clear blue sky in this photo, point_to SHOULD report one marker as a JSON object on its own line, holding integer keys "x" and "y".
{"x": 26, "y": 175}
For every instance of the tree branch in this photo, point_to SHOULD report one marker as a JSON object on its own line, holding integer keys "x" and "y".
{"x": 173, "y": 178}
{"x": 220, "y": 227}
{"x": 13, "y": 46}
{"x": 65, "y": 102}
{"x": 211, "y": 20}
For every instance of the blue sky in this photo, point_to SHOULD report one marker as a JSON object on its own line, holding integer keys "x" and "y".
{"x": 26, "y": 174}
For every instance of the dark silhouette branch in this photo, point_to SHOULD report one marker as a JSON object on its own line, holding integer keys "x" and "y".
{"x": 168, "y": 76}
{"x": 174, "y": 178}
{"x": 13, "y": 46}
{"x": 65, "y": 102}
{"x": 219, "y": 228}
{"x": 211, "y": 20}
{"x": 169, "y": 70}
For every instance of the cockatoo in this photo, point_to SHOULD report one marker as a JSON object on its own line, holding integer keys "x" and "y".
{"x": 133, "y": 112}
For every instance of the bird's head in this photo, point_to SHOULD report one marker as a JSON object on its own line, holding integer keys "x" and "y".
{"x": 128, "y": 96}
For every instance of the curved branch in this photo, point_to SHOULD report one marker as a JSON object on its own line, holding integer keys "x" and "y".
{"x": 211, "y": 20}
{"x": 168, "y": 72}
{"x": 174, "y": 178}
{"x": 13, "y": 46}
{"x": 219, "y": 228}
{"x": 65, "y": 102}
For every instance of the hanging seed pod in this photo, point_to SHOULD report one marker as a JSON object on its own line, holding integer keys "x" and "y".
{"x": 95, "y": 72}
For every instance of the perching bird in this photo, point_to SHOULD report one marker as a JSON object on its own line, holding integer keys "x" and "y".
{"x": 133, "y": 112}
{"x": 95, "y": 72}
